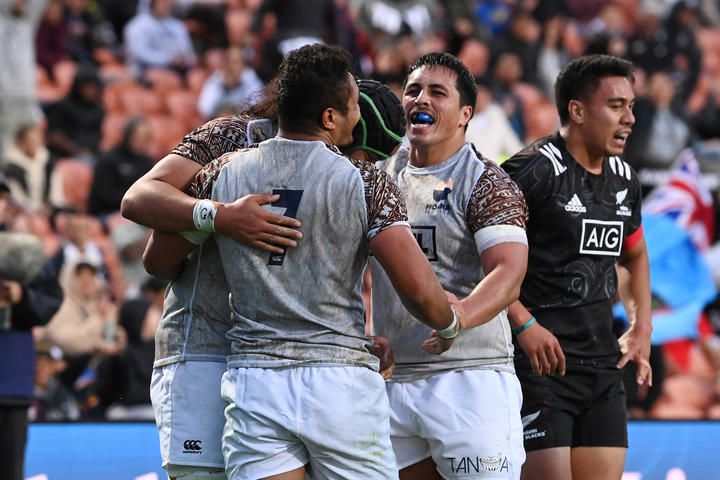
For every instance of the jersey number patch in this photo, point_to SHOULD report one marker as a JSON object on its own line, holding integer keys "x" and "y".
{"x": 290, "y": 199}
{"x": 425, "y": 237}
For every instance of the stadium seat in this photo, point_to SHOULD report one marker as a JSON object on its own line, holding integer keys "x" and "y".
{"x": 182, "y": 104}
{"x": 167, "y": 133}
{"x": 115, "y": 72}
{"x": 142, "y": 101}
{"x": 76, "y": 177}
{"x": 163, "y": 80}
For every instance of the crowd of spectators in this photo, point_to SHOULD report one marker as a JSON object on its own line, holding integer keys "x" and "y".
{"x": 115, "y": 84}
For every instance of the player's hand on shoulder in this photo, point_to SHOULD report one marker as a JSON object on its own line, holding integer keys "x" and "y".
{"x": 382, "y": 349}
{"x": 247, "y": 222}
{"x": 543, "y": 350}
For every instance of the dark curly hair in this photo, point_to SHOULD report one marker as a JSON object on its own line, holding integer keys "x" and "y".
{"x": 465, "y": 83}
{"x": 581, "y": 77}
{"x": 311, "y": 79}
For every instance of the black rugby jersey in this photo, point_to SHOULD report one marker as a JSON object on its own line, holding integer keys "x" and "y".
{"x": 579, "y": 223}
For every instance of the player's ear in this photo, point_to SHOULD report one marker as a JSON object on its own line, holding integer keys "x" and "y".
{"x": 465, "y": 115}
{"x": 576, "y": 109}
{"x": 328, "y": 118}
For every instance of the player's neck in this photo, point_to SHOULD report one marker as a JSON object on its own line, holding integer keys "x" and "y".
{"x": 319, "y": 135}
{"x": 582, "y": 153}
{"x": 428, "y": 155}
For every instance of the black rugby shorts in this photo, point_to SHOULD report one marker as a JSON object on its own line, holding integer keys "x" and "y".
{"x": 584, "y": 408}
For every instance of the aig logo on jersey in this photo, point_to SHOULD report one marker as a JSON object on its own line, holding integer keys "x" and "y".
{"x": 601, "y": 238}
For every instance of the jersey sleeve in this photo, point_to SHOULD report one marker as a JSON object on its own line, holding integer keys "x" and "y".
{"x": 201, "y": 186}
{"x": 213, "y": 139}
{"x": 384, "y": 200}
{"x": 496, "y": 211}
{"x": 634, "y": 232}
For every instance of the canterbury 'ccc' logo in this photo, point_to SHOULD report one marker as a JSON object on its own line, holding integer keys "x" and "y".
{"x": 192, "y": 446}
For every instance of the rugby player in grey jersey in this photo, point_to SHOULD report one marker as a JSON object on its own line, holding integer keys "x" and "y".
{"x": 191, "y": 348}
{"x": 469, "y": 219}
{"x": 302, "y": 310}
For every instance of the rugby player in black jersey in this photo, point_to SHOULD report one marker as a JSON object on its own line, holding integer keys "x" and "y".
{"x": 584, "y": 204}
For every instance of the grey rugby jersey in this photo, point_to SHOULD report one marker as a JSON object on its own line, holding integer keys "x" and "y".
{"x": 196, "y": 311}
{"x": 457, "y": 209}
{"x": 304, "y": 306}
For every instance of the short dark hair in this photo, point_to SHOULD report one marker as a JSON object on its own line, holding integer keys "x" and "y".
{"x": 465, "y": 83}
{"x": 581, "y": 77}
{"x": 311, "y": 79}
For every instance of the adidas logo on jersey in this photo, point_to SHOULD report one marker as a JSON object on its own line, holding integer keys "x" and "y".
{"x": 575, "y": 205}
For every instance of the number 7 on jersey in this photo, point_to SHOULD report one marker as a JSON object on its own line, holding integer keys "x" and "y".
{"x": 290, "y": 199}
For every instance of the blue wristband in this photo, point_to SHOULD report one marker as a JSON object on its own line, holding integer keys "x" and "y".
{"x": 515, "y": 331}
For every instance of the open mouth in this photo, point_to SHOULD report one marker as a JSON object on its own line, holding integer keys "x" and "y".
{"x": 421, "y": 119}
{"x": 622, "y": 137}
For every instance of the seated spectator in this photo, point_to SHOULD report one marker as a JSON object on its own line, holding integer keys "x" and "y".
{"x": 157, "y": 39}
{"x": 53, "y": 401}
{"x": 26, "y": 162}
{"x": 507, "y": 71}
{"x": 120, "y": 167}
{"x": 74, "y": 123}
{"x": 123, "y": 380}
{"x": 489, "y": 129}
{"x": 234, "y": 86}
{"x": 51, "y": 37}
{"x": 661, "y": 130}
{"x": 87, "y": 30}
{"x": 86, "y": 323}
{"x": 75, "y": 230}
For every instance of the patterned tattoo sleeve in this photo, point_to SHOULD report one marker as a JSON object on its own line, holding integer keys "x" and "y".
{"x": 384, "y": 200}
{"x": 213, "y": 139}
{"x": 495, "y": 200}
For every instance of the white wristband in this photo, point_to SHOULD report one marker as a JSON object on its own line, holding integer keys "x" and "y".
{"x": 449, "y": 332}
{"x": 204, "y": 216}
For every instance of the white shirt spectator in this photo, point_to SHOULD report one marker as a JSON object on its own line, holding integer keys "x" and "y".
{"x": 216, "y": 94}
{"x": 156, "y": 39}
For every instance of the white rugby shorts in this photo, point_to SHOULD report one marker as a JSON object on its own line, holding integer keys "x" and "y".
{"x": 332, "y": 418}
{"x": 189, "y": 413}
{"x": 468, "y": 421}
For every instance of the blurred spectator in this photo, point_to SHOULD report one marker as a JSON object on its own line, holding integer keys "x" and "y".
{"x": 234, "y": 86}
{"x": 476, "y": 56}
{"x": 123, "y": 380}
{"x": 120, "y": 167}
{"x": 552, "y": 56}
{"x": 507, "y": 71}
{"x": 74, "y": 123}
{"x": 604, "y": 43}
{"x": 18, "y": 104}
{"x": 381, "y": 19}
{"x": 206, "y": 22}
{"x": 157, "y": 39}
{"x": 297, "y": 23}
{"x": 494, "y": 15}
{"x": 86, "y": 323}
{"x": 464, "y": 25}
{"x": 661, "y": 130}
{"x": 522, "y": 39}
{"x": 87, "y": 30}
{"x": 23, "y": 305}
{"x": 706, "y": 121}
{"x": 489, "y": 129}
{"x": 75, "y": 230}
{"x": 129, "y": 240}
{"x": 53, "y": 400}
{"x": 52, "y": 36}
{"x": 118, "y": 13}
{"x": 26, "y": 168}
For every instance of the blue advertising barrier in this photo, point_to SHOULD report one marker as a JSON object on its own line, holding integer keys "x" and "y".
{"x": 130, "y": 451}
